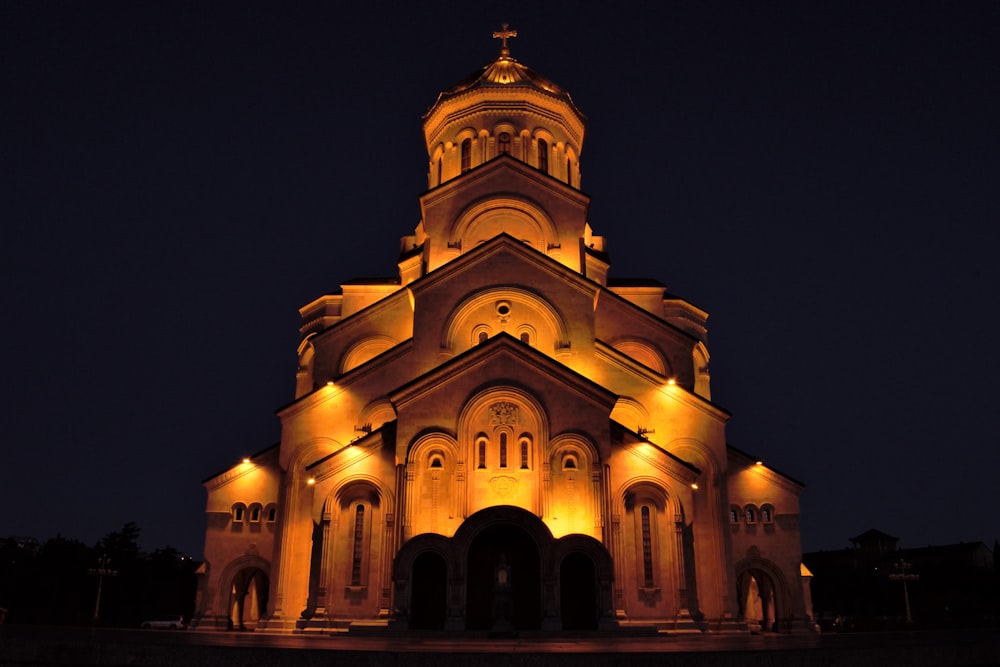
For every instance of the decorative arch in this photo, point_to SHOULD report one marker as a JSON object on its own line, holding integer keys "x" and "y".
{"x": 244, "y": 585}
{"x": 499, "y": 130}
{"x": 377, "y": 413}
{"x": 463, "y": 555}
{"x": 653, "y": 546}
{"x": 645, "y": 353}
{"x": 695, "y": 452}
{"x": 408, "y": 588}
{"x": 585, "y": 576}
{"x": 548, "y": 323}
{"x": 702, "y": 375}
{"x": 356, "y": 487}
{"x": 311, "y": 450}
{"x": 773, "y": 595}
{"x": 436, "y": 176}
{"x": 422, "y": 446}
{"x": 348, "y": 542}
{"x": 572, "y": 491}
{"x": 572, "y": 160}
{"x": 630, "y": 413}
{"x": 577, "y": 443}
{"x": 304, "y": 382}
{"x": 365, "y": 350}
{"x": 433, "y": 489}
{"x": 488, "y": 418}
{"x": 522, "y": 219}
{"x": 701, "y": 542}
{"x": 469, "y": 428}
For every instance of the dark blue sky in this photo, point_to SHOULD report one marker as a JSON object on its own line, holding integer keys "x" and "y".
{"x": 179, "y": 177}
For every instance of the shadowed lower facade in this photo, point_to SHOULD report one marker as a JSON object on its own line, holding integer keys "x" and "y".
{"x": 503, "y": 437}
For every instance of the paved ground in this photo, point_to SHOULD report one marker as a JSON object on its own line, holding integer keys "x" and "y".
{"x": 41, "y": 646}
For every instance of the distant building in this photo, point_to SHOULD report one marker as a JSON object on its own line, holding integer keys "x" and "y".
{"x": 876, "y": 585}
{"x": 503, "y": 436}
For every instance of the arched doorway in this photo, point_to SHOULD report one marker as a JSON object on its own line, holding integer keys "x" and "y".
{"x": 758, "y": 600}
{"x": 516, "y": 596}
{"x": 428, "y": 591}
{"x": 578, "y": 593}
{"x": 247, "y": 598}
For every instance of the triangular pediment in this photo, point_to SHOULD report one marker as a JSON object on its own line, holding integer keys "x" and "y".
{"x": 501, "y": 360}
{"x": 504, "y": 258}
{"x": 504, "y": 195}
{"x": 501, "y": 169}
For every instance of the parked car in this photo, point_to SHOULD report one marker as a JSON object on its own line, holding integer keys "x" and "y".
{"x": 165, "y": 623}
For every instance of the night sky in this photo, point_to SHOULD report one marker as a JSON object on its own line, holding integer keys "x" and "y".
{"x": 178, "y": 178}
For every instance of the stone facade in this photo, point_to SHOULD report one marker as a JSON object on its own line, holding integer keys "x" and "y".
{"x": 503, "y": 438}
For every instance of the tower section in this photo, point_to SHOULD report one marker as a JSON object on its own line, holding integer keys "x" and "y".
{"x": 504, "y": 150}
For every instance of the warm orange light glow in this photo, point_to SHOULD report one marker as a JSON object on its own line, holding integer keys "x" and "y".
{"x": 311, "y": 481}
{"x": 694, "y": 486}
{"x": 329, "y": 383}
{"x": 759, "y": 462}
{"x": 672, "y": 381}
{"x": 246, "y": 459}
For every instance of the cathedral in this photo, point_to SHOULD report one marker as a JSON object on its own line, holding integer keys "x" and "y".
{"x": 503, "y": 438}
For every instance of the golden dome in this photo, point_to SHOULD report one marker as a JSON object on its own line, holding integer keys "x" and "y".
{"x": 506, "y": 71}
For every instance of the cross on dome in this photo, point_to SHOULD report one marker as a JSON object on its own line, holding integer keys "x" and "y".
{"x": 503, "y": 34}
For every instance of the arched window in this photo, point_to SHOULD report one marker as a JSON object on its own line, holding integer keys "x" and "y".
{"x": 767, "y": 514}
{"x": 503, "y": 450}
{"x": 466, "y": 155}
{"x": 569, "y": 462}
{"x": 255, "y": 513}
{"x": 543, "y": 155}
{"x": 569, "y": 171}
{"x": 439, "y": 170}
{"x": 272, "y": 514}
{"x": 503, "y": 143}
{"x": 239, "y": 512}
{"x": 482, "y": 337}
{"x": 524, "y": 453}
{"x": 646, "y": 513}
{"x": 436, "y": 462}
{"x": 750, "y": 512}
{"x": 647, "y": 548}
{"x": 526, "y": 338}
{"x": 359, "y": 544}
{"x": 482, "y": 453}
{"x": 734, "y": 515}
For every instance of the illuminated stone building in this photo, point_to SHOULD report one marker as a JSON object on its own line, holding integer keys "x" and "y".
{"x": 503, "y": 436}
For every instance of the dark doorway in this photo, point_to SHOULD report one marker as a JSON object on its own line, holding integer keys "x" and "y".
{"x": 248, "y": 598}
{"x": 428, "y": 592}
{"x": 756, "y": 600}
{"x": 578, "y": 593}
{"x": 504, "y": 542}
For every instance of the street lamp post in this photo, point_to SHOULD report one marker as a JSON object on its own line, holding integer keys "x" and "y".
{"x": 102, "y": 570}
{"x": 904, "y": 576}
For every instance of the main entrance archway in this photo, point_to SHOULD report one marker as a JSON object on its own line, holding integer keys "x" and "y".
{"x": 503, "y": 571}
{"x": 503, "y": 581}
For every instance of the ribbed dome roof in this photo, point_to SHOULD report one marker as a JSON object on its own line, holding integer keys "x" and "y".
{"x": 505, "y": 71}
